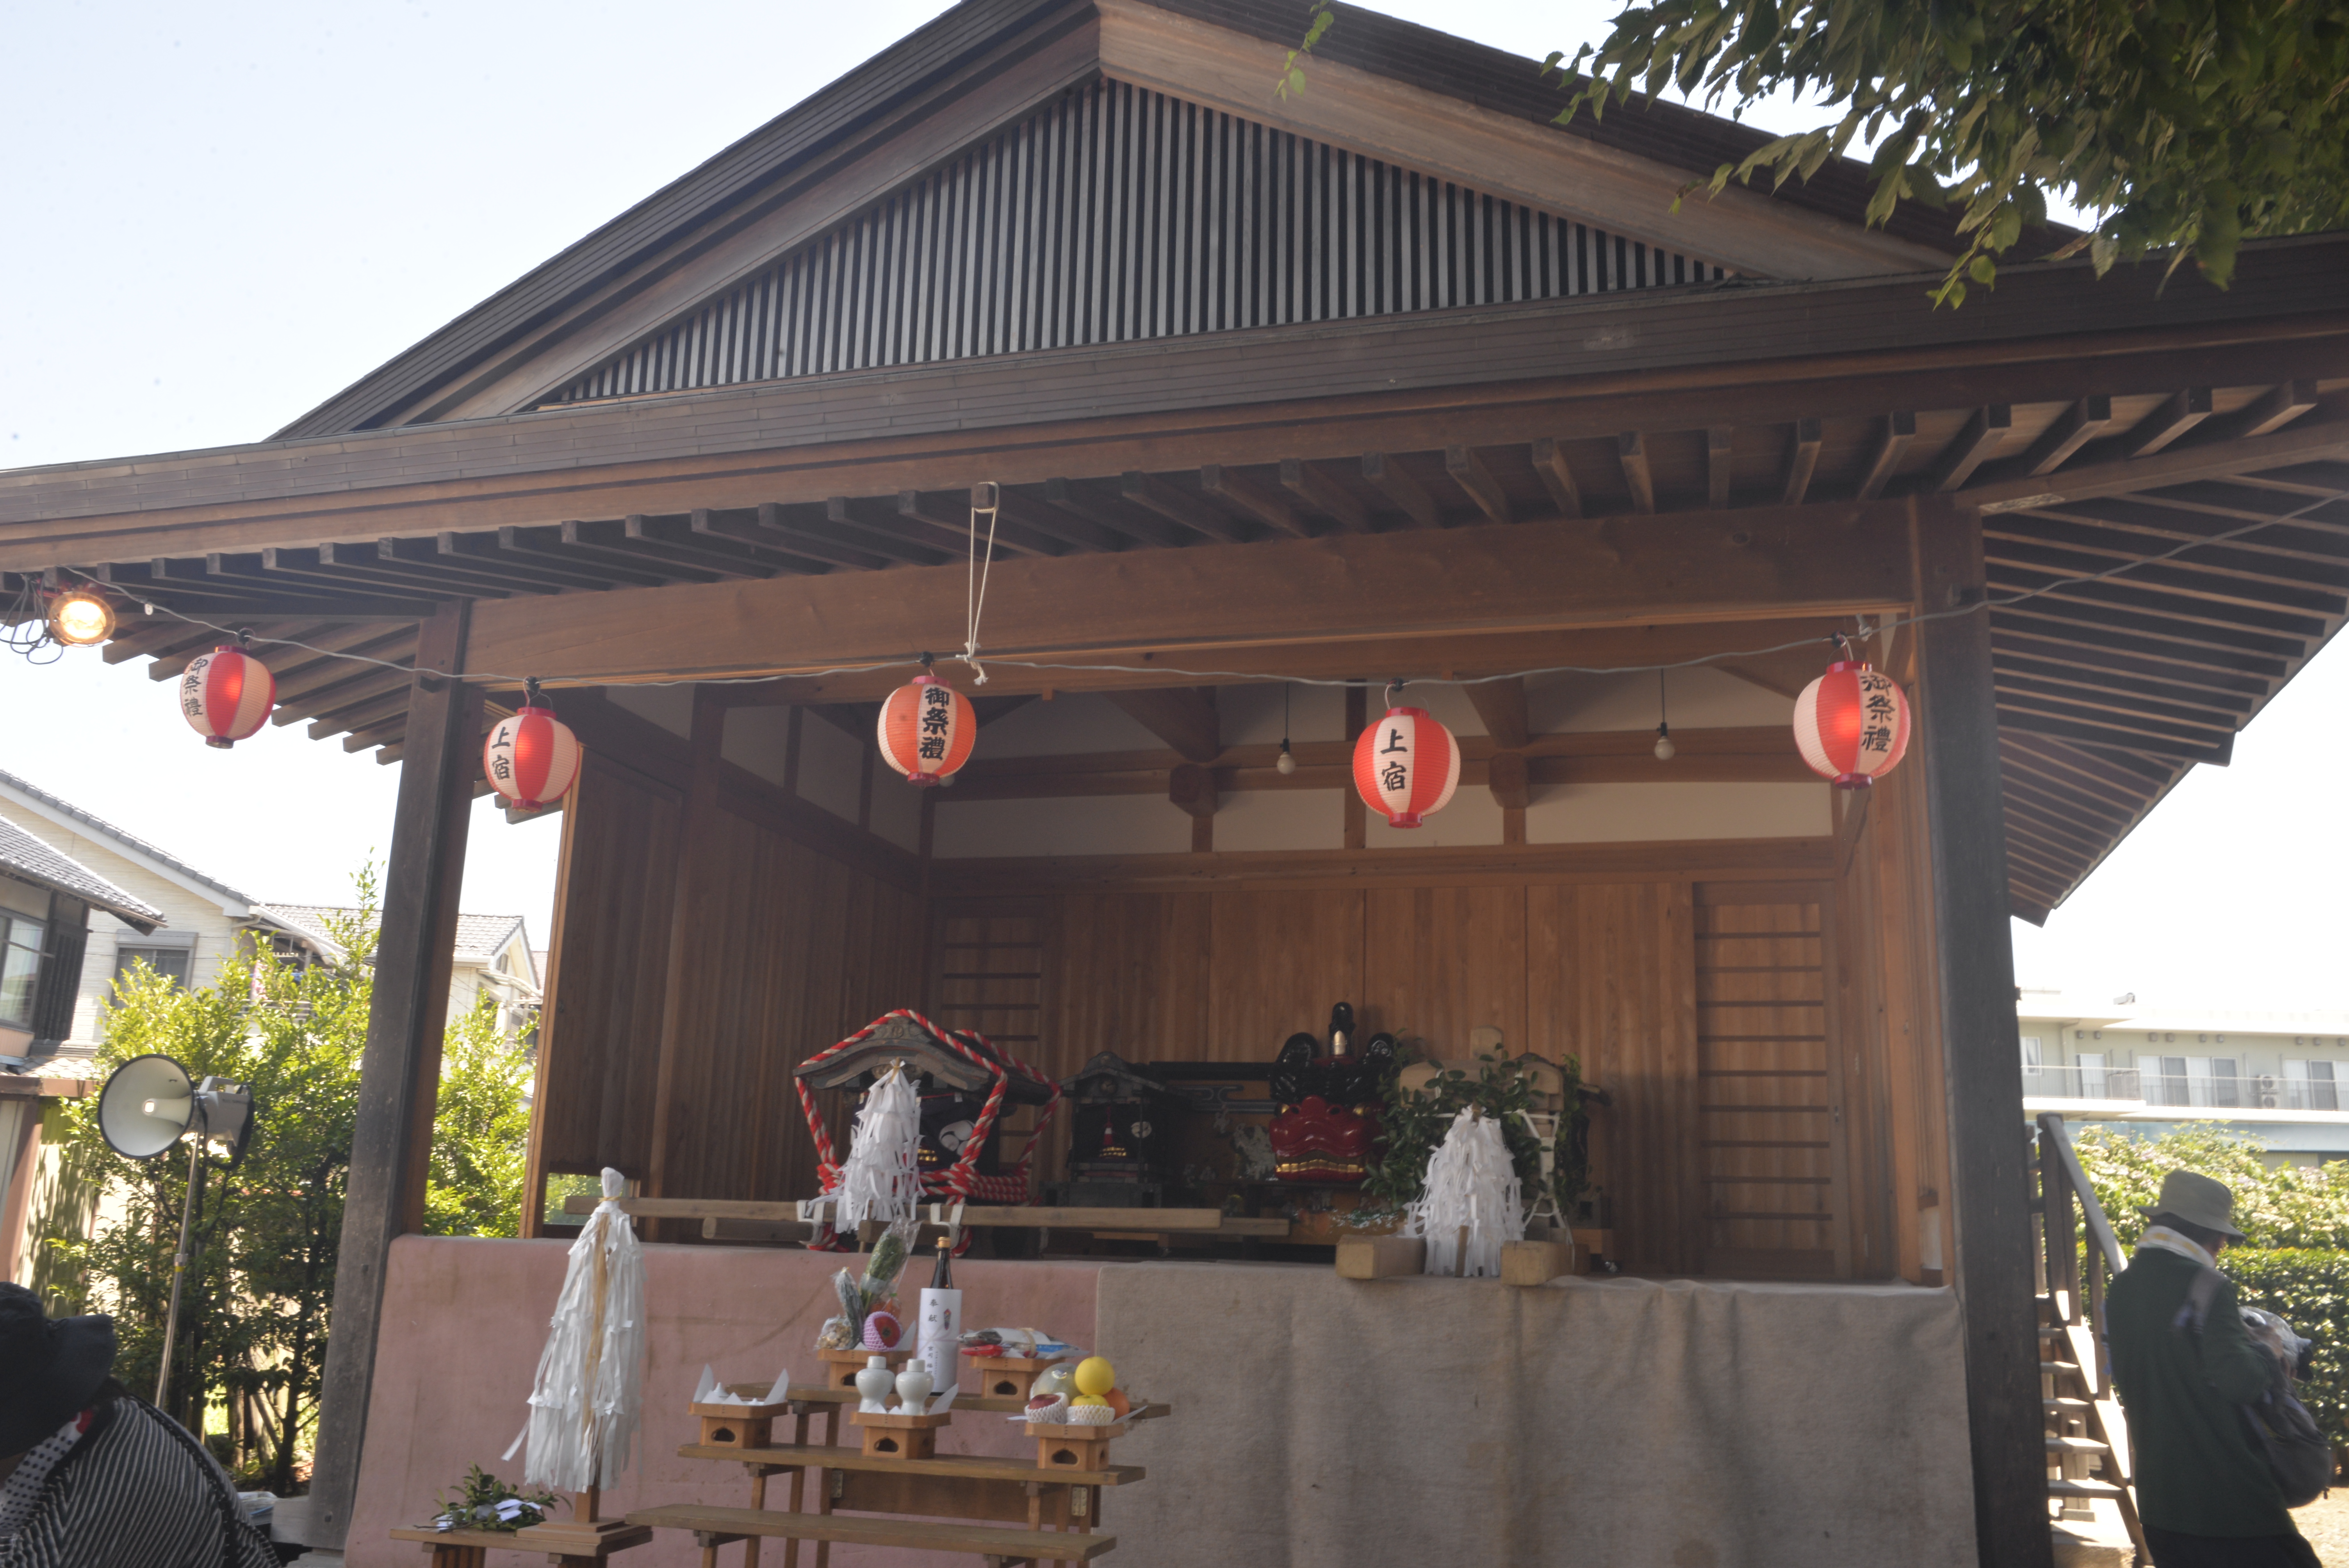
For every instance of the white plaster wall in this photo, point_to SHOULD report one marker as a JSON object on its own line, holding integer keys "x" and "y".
{"x": 832, "y": 768}
{"x": 1083, "y": 825}
{"x": 1250, "y": 715}
{"x": 759, "y": 740}
{"x": 1631, "y": 813}
{"x": 1281, "y": 819}
{"x": 1698, "y": 699}
{"x": 670, "y": 707}
{"x": 1070, "y": 723}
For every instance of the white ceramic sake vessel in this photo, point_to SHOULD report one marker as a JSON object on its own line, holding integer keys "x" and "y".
{"x": 873, "y": 1386}
{"x": 914, "y": 1387}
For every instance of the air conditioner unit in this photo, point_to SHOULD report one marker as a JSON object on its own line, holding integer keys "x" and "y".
{"x": 2268, "y": 1097}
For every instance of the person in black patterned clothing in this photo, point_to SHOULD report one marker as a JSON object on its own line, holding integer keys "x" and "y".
{"x": 92, "y": 1477}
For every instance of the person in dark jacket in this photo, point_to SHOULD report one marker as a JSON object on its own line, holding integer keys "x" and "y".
{"x": 93, "y": 1478}
{"x": 2203, "y": 1490}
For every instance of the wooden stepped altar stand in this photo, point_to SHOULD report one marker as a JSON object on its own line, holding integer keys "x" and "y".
{"x": 1007, "y": 1511}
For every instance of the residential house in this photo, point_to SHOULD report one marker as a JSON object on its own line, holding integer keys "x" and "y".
{"x": 47, "y": 903}
{"x": 493, "y": 957}
{"x": 2281, "y": 1077}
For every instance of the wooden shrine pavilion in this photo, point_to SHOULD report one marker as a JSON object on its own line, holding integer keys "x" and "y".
{"x": 1394, "y": 379}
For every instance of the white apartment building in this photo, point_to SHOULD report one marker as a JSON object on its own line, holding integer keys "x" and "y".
{"x": 2280, "y": 1077}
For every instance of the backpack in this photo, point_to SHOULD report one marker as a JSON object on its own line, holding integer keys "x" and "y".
{"x": 2281, "y": 1430}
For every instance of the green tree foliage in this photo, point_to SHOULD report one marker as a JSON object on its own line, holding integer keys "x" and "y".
{"x": 254, "y": 1305}
{"x": 2183, "y": 125}
{"x": 2308, "y": 1287}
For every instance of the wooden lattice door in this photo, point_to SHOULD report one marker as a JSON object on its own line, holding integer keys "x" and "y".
{"x": 1770, "y": 1089}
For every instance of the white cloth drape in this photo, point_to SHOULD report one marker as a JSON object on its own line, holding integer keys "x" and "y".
{"x": 584, "y": 1406}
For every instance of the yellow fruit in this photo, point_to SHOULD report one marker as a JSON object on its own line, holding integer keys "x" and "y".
{"x": 1089, "y": 1399}
{"x": 1095, "y": 1375}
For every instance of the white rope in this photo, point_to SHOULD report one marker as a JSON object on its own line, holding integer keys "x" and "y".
{"x": 974, "y": 596}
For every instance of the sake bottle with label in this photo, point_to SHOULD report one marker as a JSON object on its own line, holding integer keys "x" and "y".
{"x": 938, "y": 1343}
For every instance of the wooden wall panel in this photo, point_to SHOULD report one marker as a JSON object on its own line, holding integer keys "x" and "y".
{"x": 1770, "y": 1088}
{"x": 1439, "y": 961}
{"x": 1132, "y": 977}
{"x": 1611, "y": 979}
{"x": 1280, "y": 959}
{"x": 594, "y": 1101}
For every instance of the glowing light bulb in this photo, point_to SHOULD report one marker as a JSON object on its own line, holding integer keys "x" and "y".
{"x": 81, "y": 619}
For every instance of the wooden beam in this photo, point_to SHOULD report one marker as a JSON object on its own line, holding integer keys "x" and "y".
{"x": 1501, "y": 705}
{"x": 1009, "y": 534}
{"x": 1551, "y": 468}
{"x": 2075, "y": 427}
{"x": 1410, "y": 497}
{"x": 1958, "y": 720}
{"x": 1260, "y": 501}
{"x": 898, "y": 537}
{"x": 1760, "y": 563}
{"x": 1899, "y": 430}
{"x": 2276, "y": 408}
{"x": 660, "y": 535}
{"x": 1719, "y": 440}
{"x": 2185, "y": 409}
{"x": 1052, "y": 521}
{"x": 768, "y": 534}
{"x": 1469, "y": 472}
{"x": 399, "y": 1072}
{"x": 1971, "y": 447}
{"x": 1192, "y": 788}
{"x": 2178, "y": 465}
{"x": 1183, "y": 716}
{"x": 1150, "y": 491}
{"x": 1507, "y": 776}
{"x": 1065, "y": 497}
{"x": 1324, "y": 495}
{"x": 1631, "y": 452}
{"x": 1802, "y": 459}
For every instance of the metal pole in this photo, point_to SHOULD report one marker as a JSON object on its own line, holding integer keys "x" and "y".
{"x": 179, "y": 1269}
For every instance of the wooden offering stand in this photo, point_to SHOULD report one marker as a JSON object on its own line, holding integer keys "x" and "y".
{"x": 843, "y": 1365}
{"x": 581, "y": 1542}
{"x": 1011, "y": 1377}
{"x": 738, "y": 1426}
{"x": 1007, "y": 1512}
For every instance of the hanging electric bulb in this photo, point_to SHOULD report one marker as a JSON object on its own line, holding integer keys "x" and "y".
{"x": 1665, "y": 749}
{"x": 1288, "y": 763}
{"x": 79, "y": 618}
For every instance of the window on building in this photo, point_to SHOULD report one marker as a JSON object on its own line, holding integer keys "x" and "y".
{"x": 2312, "y": 1086}
{"x": 172, "y": 963}
{"x": 2030, "y": 1055}
{"x": 2092, "y": 1075}
{"x": 21, "y": 940}
{"x": 2169, "y": 1087}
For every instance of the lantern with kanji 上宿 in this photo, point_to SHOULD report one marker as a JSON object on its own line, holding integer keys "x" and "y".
{"x": 531, "y": 759}
{"x": 1851, "y": 724}
{"x": 226, "y": 694}
{"x": 927, "y": 730}
{"x": 1406, "y": 765}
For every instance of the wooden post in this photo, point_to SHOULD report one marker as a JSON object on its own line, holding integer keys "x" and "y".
{"x": 1990, "y": 1224}
{"x": 400, "y": 1071}
{"x": 700, "y": 842}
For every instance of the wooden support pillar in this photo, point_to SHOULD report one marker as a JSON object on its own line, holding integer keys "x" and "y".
{"x": 399, "y": 1073}
{"x": 1357, "y": 720}
{"x": 1990, "y": 1183}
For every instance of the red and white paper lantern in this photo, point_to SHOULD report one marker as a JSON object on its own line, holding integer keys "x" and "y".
{"x": 226, "y": 694}
{"x": 531, "y": 759}
{"x": 1852, "y": 724}
{"x": 1406, "y": 765}
{"x": 927, "y": 730}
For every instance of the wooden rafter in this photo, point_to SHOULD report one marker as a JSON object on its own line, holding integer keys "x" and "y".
{"x": 1802, "y": 459}
{"x": 1322, "y": 494}
{"x": 1985, "y": 430}
{"x": 1261, "y": 502}
{"x": 1884, "y": 458}
{"x": 1477, "y": 482}
{"x": 1631, "y": 454}
{"x": 1719, "y": 463}
{"x": 1409, "y": 496}
{"x": 1501, "y": 705}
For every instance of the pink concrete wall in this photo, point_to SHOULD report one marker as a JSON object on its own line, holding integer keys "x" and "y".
{"x": 464, "y": 1321}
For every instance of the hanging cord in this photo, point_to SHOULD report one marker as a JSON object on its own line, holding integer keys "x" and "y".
{"x": 975, "y": 588}
{"x": 30, "y": 612}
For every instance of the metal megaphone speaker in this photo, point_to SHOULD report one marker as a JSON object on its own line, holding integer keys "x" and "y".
{"x": 150, "y": 1103}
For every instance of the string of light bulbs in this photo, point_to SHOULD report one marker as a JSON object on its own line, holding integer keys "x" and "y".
{"x": 1850, "y": 725}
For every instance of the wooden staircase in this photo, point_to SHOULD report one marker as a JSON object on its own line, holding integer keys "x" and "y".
{"x": 2086, "y": 1431}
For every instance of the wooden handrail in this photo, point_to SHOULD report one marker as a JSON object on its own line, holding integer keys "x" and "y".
{"x": 2100, "y": 1230}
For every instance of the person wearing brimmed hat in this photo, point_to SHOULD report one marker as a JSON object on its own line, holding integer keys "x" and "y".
{"x": 92, "y": 1478}
{"x": 2204, "y": 1492}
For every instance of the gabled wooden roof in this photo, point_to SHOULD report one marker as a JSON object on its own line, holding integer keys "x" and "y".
{"x": 1022, "y": 174}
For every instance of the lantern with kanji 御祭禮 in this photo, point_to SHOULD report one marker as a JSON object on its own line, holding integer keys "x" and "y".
{"x": 1851, "y": 724}
{"x": 927, "y": 730}
{"x": 226, "y": 694}
{"x": 531, "y": 759}
{"x": 1406, "y": 765}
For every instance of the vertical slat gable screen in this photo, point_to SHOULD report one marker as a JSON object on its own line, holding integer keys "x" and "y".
{"x": 1116, "y": 214}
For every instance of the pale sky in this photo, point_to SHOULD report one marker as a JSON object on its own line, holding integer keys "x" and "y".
{"x": 221, "y": 216}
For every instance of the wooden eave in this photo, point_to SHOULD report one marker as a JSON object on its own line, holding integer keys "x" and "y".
{"x": 1388, "y": 88}
{"x": 1583, "y": 438}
